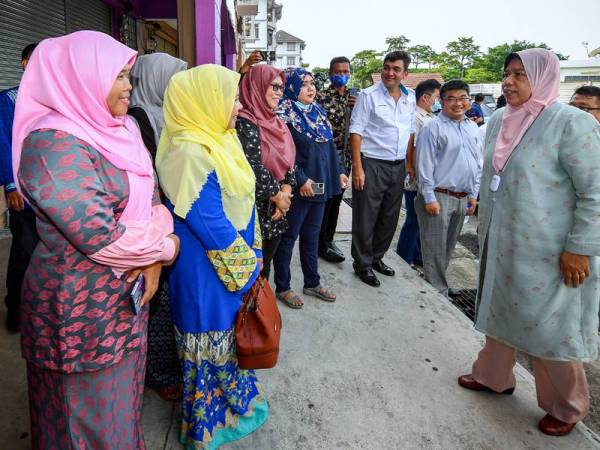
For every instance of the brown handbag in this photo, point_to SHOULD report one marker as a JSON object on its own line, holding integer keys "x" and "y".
{"x": 258, "y": 328}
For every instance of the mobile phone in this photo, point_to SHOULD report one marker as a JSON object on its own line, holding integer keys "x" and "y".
{"x": 318, "y": 188}
{"x": 353, "y": 91}
{"x": 265, "y": 55}
{"x": 136, "y": 294}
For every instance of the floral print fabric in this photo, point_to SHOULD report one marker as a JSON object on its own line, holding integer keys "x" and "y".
{"x": 336, "y": 106}
{"x": 222, "y": 402}
{"x": 266, "y": 184}
{"x": 99, "y": 410}
{"x": 309, "y": 120}
{"x": 76, "y": 314}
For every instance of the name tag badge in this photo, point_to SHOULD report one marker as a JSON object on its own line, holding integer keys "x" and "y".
{"x": 495, "y": 183}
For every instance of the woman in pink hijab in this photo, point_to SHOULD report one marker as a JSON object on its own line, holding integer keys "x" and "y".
{"x": 539, "y": 235}
{"x": 83, "y": 167}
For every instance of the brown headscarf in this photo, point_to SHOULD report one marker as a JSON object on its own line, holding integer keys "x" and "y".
{"x": 278, "y": 153}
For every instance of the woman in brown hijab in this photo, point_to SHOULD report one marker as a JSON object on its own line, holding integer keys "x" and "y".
{"x": 269, "y": 147}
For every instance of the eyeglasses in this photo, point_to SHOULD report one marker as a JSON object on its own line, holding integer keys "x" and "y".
{"x": 584, "y": 108}
{"x": 456, "y": 100}
{"x": 278, "y": 87}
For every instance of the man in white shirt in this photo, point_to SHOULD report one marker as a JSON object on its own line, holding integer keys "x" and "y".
{"x": 381, "y": 131}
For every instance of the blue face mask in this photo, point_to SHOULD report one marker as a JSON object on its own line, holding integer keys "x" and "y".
{"x": 339, "y": 80}
{"x": 436, "y": 106}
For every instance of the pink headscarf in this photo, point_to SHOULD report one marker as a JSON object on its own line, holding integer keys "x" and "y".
{"x": 278, "y": 152}
{"x": 65, "y": 88}
{"x": 543, "y": 71}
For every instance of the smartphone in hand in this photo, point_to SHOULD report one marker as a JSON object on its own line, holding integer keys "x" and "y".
{"x": 136, "y": 294}
{"x": 318, "y": 188}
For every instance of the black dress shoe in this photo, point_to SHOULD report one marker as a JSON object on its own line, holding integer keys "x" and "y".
{"x": 335, "y": 248}
{"x": 12, "y": 322}
{"x": 453, "y": 292}
{"x": 331, "y": 256}
{"x": 367, "y": 276}
{"x": 383, "y": 268}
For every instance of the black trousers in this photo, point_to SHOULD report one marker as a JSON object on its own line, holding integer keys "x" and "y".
{"x": 330, "y": 219}
{"x": 24, "y": 240}
{"x": 269, "y": 247}
{"x": 375, "y": 211}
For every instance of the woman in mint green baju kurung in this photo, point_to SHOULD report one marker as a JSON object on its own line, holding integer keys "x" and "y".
{"x": 539, "y": 237}
{"x": 548, "y": 202}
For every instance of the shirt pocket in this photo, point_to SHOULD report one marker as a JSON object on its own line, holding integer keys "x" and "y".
{"x": 383, "y": 114}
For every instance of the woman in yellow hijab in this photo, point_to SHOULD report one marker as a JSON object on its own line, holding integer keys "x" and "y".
{"x": 209, "y": 187}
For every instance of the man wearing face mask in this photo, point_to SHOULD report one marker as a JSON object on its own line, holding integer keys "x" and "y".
{"x": 338, "y": 101}
{"x": 409, "y": 244}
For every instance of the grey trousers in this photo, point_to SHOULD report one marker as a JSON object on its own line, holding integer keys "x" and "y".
{"x": 375, "y": 211}
{"x": 439, "y": 235}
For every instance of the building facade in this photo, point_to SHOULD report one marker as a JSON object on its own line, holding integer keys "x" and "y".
{"x": 289, "y": 50}
{"x": 198, "y": 31}
{"x": 257, "y": 25}
{"x": 580, "y": 71}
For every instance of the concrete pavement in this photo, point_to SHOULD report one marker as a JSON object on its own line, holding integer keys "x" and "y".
{"x": 375, "y": 370}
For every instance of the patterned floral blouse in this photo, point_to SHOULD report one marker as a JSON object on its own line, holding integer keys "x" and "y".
{"x": 76, "y": 314}
{"x": 266, "y": 184}
{"x": 336, "y": 106}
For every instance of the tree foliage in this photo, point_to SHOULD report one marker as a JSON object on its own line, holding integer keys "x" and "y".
{"x": 493, "y": 60}
{"x": 463, "y": 51}
{"x": 421, "y": 54}
{"x": 320, "y": 70}
{"x": 462, "y": 58}
{"x": 395, "y": 43}
{"x": 364, "y": 63}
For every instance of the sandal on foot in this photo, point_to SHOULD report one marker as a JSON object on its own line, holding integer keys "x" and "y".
{"x": 290, "y": 298}
{"x": 418, "y": 269}
{"x": 320, "y": 292}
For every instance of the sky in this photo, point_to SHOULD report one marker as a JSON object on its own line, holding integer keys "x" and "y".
{"x": 344, "y": 27}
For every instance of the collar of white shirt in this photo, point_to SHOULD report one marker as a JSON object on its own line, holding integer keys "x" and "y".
{"x": 403, "y": 89}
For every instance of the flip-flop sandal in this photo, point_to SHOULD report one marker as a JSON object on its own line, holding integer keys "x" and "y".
{"x": 290, "y": 299}
{"x": 321, "y": 293}
{"x": 418, "y": 269}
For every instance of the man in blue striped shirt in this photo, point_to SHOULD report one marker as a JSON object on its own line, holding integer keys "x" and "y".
{"x": 21, "y": 218}
{"x": 448, "y": 167}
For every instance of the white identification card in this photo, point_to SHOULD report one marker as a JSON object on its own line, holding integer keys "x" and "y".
{"x": 495, "y": 183}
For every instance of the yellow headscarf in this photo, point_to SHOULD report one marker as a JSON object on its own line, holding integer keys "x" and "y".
{"x": 195, "y": 141}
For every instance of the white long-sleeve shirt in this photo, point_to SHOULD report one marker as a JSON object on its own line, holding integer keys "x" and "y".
{"x": 384, "y": 124}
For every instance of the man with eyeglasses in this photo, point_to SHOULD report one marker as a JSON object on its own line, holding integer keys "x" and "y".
{"x": 449, "y": 168}
{"x": 381, "y": 131}
{"x": 587, "y": 98}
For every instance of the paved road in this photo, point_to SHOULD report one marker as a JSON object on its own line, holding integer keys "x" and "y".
{"x": 375, "y": 370}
